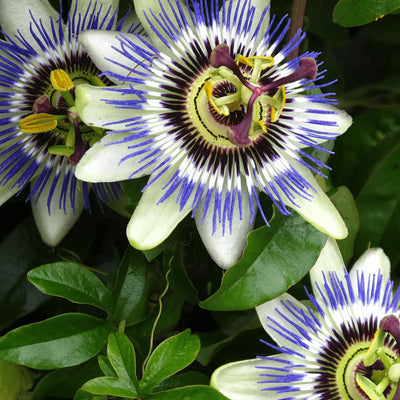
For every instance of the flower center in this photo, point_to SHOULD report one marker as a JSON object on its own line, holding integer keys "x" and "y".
{"x": 384, "y": 385}
{"x": 230, "y": 103}
{"x": 54, "y": 114}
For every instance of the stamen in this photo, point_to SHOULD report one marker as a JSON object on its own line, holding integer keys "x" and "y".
{"x": 279, "y": 104}
{"x": 258, "y": 63}
{"x": 60, "y": 80}
{"x": 208, "y": 89}
{"x": 63, "y": 83}
{"x": 38, "y": 123}
{"x": 263, "y": 127}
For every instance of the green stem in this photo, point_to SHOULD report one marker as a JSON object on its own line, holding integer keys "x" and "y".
{"x": 296, "y": 23}
{"x": 158, "y": 316}
{"x": 121, "y": 326}
{"x": 97, "y": 271}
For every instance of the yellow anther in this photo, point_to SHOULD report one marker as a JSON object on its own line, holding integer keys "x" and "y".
{"x": 263, "y": 127}
{"x": 208, "y": 89}
{"x": 278, "y": 104}
{"x": 244, "y": 60}
{"x": 60, "y": 80}
{"x": 37, "y": 123}
{"x": 264, "y": 61}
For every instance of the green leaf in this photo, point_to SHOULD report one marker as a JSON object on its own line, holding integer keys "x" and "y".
{"x": 105, "y": 366}
{"x": 344, "y": 202}
{"x": 378, "y": 204}
{"x": 64, "y": 382}
{"x": 184, "y": 379}
{"x": 110, "y": 386}
{"x": 170, "y": 356}
{"x": 356, "y": 12}
{"x": 130, "y": 287}
{"x": 58, "y": 342}
{"x": 275, "y": 258}
{"x": 122, "y": 357}
{"x": 82, "y": 395}
{"x": 189, "y": 393}
{"x": 73, "y": 282}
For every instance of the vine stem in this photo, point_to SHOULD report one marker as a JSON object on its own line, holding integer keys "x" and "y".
{"x": 158, "y": 316}
{"x": 296, "y": 23}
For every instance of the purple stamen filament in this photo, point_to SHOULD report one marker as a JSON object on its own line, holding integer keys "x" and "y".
{"x": 220, "y": 56}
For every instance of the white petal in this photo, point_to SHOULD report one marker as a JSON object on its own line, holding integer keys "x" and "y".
{"x": 15, "y": 16}
{"x": 102, "y": 162}
{"x": 319, "y": 210}
{"x": 269, "y": 311}
{"x": 146, "y": 8}
{"x": 239, "y": 380}
{"x": 152, "y": 222}
{"x": 54, "y": 226}
{"x": 259, "y": 7}
{"x": 373, "y": 262}
{"x": 339, "y": 121}
{"x": 131, "y": 20}
{"x": 102, "y": 48}
{"x": 83, "y": 5}
{"x": 330, "y": 259}
{"x": 91, "y": 104}
{"x": 225, "y": 249}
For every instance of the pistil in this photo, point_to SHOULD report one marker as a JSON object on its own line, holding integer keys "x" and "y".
{"x": 251, "y": 92}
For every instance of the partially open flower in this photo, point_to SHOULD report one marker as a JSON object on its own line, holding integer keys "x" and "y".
{"x": 344, "y": 345}
{"x": 213, "y": 112}
{"x": 42, "y": 138}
